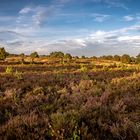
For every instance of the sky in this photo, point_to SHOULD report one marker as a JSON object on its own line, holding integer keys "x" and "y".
{"x": 79, "y": 27}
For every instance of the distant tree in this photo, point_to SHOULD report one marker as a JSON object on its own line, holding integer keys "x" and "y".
{"x": 75, "y": 57}
{"x": 116, "y": 57}
{"x": 83, "y": 57}
{"x": 33, "y": 56}
{"x": 138, "y": 58}
{"x": 133, "y": 59}
{"x": 94, "y": 57}
{"x": 126, "y": 58}
{"x": 106, "y": 57}
{"x": 3, "y": 54}
{"x": 12, "y": 55}
{"x": 67, "y": 57}
{"x": 109, "y": 57}
{"x": 102, "y": 57}
{"x": 57, "y": 54}
{"x": 22, "y": 56}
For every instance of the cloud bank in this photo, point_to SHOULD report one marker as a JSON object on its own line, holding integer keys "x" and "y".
{"x": 39, "y": 28}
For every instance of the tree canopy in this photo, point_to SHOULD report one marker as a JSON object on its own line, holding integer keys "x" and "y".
{"x": 126, "y": 58}
{"x": 116, "y": 57}
{"x": 3, "y": 54}
{"x": 34, "y": 55}
{"x": 68, "y": 56}
{"x": 57, "y": 54}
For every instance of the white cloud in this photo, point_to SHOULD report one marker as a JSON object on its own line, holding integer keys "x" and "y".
{"x": 98, "y": 43}
{"x": 112, "y": 3}
{"x": 26, "y": 10}
{"x": 33, "y": 16}
{"x": 116, "y": 3}
{"x": 100, "y": 33}
{"x": 128, "y": 18}
{"x": 36, "y": 16}
{"x": 135, "y": 17}
{"x": 100, "y": 17}
{"x": 41, "y": 13}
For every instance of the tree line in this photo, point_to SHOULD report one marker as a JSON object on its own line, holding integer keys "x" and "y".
{"x": 125, "y": 58}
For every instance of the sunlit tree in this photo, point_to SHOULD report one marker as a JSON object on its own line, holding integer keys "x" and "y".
{"x": 126, "y": 58}
{"x": 3, "y": 54}
{"x": 116, "y": 57}
{"x": 33, "y": 56}
{"x": 57, "y": 54}
{"x": 83, "y": 57}
{"x": 67, "y": 57}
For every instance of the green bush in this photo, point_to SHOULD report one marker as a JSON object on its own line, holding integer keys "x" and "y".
{"x": 9, "y": 70}
{"x": 18, "y": 75}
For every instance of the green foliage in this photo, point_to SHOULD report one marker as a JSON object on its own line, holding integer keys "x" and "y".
{"x": 116, "y": 57}
{"x": 94, "y": 57}
{"x": 76, "y": 134}
{"x": 9, "y": 70}
{"x": 83, "y": 68}
{"x": 83, "y": 57}
{"x": 3, "y": 54}
{"x": 76, "y": 57}
{"x": 126, "y": 59}
{"x": 133, "y": 59}
{"x": 57, "y": 54}
{"x": 67, "y": 57}
{"x": 105, "y": 68}
{"x": 33, "y": 56}
{"x": 107, "y": 57}
{"x": 18, "y": 75}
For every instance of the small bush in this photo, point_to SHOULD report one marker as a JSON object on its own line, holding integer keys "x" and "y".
{"x": 9, "y": 70}
{"x": 18, "y": 75}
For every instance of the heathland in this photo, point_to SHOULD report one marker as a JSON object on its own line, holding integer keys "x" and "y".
{"x": 61, "y": 97}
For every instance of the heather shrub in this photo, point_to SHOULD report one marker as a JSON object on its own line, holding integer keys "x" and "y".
{"x": 29, "y": 126}
{"x": 57, "y": 102}
{"x": 63, "y": 124}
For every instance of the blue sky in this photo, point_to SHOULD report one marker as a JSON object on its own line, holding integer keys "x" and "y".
{"x": 79, "y": 27}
